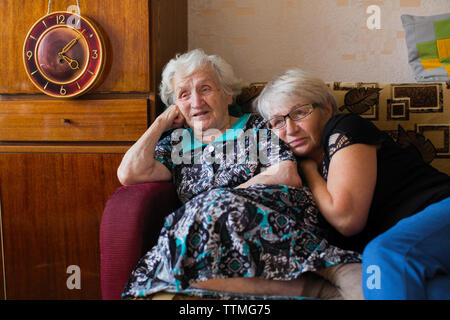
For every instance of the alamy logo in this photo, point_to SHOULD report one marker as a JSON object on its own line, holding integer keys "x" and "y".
{"x": 74, "y": 280}
{"x": 374, "y": 20}
{"x": 374, "y": 280}
{"x": 249, "y": 146}
{"x": 74, "y": 20}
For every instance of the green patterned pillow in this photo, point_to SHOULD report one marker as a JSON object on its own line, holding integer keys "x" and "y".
{"x": 428, "y": 42}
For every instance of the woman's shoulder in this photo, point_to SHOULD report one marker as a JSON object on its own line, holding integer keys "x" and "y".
{"x": 346, "y": 121}
{"x": 343, "y": 130}
{"x": 354, "y": 127}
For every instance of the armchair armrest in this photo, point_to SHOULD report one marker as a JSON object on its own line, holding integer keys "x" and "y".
{"x": 131, "y": 222}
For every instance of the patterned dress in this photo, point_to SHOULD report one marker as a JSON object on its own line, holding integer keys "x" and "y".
{"x": 266, "y": 231}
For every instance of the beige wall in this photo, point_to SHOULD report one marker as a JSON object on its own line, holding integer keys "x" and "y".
{"x": 262, "y": 38}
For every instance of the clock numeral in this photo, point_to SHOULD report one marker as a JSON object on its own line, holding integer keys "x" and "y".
{"x": 63, "y": 91}
{"x": 94, "y": 54}
{"x": 29, "y": 54}
{"x": 60, "y": 19}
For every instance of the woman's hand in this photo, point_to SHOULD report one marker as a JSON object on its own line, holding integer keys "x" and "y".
{"x": 284, "y": 172}
{"x": 171, "y": 118}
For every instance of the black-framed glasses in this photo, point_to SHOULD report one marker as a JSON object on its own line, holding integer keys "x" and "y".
{"x": 298, "y": 113}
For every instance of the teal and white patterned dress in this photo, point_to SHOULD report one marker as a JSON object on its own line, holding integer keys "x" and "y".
{"x": 266, "y": 231}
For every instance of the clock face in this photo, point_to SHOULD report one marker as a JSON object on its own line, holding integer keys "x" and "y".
{"x": 63, "y": 58}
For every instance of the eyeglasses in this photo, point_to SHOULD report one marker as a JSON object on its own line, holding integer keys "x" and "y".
{"x": 298, "y": 113}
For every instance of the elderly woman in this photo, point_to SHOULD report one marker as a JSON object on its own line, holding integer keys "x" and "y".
{"x": 246, "y": 226}
{"x": 367, "y": 187}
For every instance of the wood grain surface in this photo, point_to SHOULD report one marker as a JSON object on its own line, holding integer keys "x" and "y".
{"x": 125, "y": 28}
{"x": 51, "y": 211}
{"x": 74, "y": 120}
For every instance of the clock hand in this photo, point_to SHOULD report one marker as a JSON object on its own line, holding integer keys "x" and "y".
{"x": 68, "y": 46}
{"x": 71, "y": 43}
{"x": 70, "y": 61}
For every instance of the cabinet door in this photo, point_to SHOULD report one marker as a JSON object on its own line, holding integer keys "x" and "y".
{"x": 51, "y": 210}
{"x": 2, "y": 283}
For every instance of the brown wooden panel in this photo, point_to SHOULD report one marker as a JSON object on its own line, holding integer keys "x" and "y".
{"x": 57, "y": 147}
{"x": 51, "y": 208}
{"x": 2, "y": 283}
{"x": 168, "y": 34}
{"x": 73, "y": 120}
{"x": 125, "y": 24}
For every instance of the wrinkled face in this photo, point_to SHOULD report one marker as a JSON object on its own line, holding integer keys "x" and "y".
{"x": 201, "y": 100}
{"x": 303, "y": 136}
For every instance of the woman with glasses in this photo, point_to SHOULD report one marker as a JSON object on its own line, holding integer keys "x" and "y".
{"x": 383, "y": 200}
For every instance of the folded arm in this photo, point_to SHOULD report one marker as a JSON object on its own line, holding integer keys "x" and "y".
{"x": 138, "y": 164}
{"x": 345, "y": 198}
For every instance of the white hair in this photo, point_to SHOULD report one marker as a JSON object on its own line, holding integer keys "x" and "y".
{"x": 294, "y": 83}
{"x": 186, "y": 64}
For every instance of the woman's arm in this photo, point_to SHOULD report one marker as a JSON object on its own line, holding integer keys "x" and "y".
{"x": 345, "y": 198}
{"x": 138, "y": 164}
{"x": 284, "y": 172}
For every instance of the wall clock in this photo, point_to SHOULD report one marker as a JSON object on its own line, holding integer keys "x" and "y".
{"x": 64, "y": 59}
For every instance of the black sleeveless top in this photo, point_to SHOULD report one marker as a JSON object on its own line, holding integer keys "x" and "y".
{"x": 405, "y": 183}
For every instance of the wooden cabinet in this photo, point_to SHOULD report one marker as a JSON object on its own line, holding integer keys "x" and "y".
{"x": 58, "y": 158}
{"x": 51, "y": 210}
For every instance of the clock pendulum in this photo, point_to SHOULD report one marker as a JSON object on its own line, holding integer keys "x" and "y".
{"x": 64, "y": 54}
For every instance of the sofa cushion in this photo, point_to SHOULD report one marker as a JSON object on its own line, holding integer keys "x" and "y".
{"x": 428, "y": 43}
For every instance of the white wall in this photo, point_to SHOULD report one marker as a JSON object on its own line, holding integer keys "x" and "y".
{"x": 262, "y": 38}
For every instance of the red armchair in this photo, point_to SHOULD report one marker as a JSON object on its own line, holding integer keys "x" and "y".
{"x": 131, "y": 223}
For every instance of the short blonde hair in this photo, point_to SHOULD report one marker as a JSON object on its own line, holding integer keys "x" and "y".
{"x": 294, "y": 83}
{"x": 186, "y": 64}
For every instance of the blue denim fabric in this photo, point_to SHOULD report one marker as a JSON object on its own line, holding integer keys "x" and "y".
{"x": 412, "y": 259}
